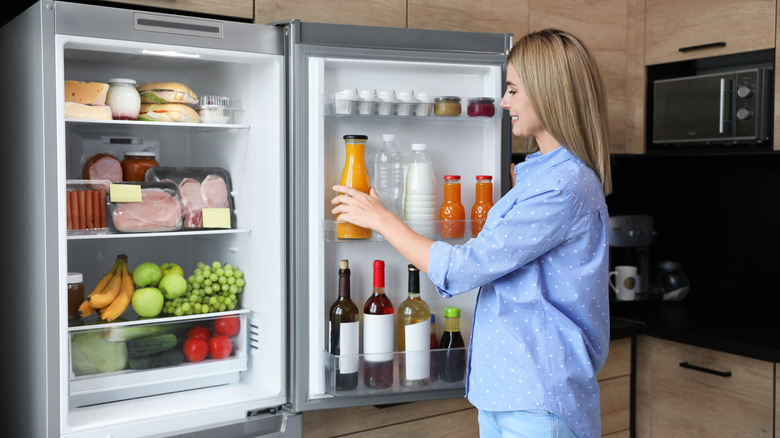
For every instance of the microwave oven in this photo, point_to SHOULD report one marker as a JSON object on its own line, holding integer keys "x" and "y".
{"x": 733, "y": 107}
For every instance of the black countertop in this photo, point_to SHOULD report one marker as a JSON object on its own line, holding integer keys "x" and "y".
{"x": 751, "y": 331}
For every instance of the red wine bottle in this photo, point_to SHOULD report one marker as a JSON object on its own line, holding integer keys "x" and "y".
{"x": 378, "y": 319}
{"x": 344, "y": 334}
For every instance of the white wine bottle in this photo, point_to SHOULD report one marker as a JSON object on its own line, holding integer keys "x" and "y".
{"x": 414, "y": 335}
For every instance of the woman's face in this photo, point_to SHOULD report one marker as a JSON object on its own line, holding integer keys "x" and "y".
{"x": 525, "y": 122}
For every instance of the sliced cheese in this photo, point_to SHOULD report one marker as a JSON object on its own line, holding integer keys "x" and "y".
{"x": 88, "y": 93}
{"x": 81, "y": 111}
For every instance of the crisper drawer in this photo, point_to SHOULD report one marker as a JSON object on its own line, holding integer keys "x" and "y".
{"x": 427, "y": 370}
{"x": 120, "y": 361}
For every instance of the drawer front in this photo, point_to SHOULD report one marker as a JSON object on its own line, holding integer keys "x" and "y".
{"x": 615, "y": 405}
{"x": 711, "y": 394}
{"x": 618, "y": 361}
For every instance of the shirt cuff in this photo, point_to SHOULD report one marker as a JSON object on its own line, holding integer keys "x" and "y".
{"x": 438, "y": 265}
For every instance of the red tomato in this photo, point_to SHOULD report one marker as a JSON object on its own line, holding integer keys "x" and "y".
{"x": 227, "y": 326}
{"x": 220, "y": 347}
{"x": 199, "y": 332}
{"x": 196, "y": 349}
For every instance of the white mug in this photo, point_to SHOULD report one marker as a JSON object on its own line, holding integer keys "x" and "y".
{"x": 625, "y": 282}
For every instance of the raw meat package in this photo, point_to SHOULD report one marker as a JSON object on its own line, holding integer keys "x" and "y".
{"x": 87, "y": 206}
{"x": 159, "y": 211}
{"x": 199, "y": 188}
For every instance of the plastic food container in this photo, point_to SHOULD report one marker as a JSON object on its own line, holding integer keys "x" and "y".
{"x": 215, "y": 109}
{"x": 87, "y": 206}
{"x": 160, "y": 209}
{"x": 447, "y": 106}
{"x": 201, "y": 188}
{"x": 481, "y": 107}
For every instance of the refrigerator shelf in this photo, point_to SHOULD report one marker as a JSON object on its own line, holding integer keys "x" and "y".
{"x": 105, "y": 234}
{"x": 431, "y": 230}
{"x": 459, "y": 119}
{"x": 90, "y": 323}
{"x": 430, "y": 362}
{"x": 112, "y": 124}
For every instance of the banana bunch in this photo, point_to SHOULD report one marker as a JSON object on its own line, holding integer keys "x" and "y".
{"x": 113, "y": 293}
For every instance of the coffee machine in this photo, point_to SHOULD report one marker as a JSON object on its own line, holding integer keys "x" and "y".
{"x": 630, "y": 237}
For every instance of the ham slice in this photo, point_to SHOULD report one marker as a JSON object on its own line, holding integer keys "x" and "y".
{"x": 158, "y": 211}
{"x": 103, "y": 166}
{"x": 192, "y": 203}
{"x": 214, "y": 192}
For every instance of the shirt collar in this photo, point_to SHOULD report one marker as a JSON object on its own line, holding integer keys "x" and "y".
{"x": 549, "y": 159}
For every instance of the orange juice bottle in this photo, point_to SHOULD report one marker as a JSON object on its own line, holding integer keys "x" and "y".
{"x": 355, "y": 175}
{"x": 483, "y": 202}
{"x": 452, "y": 214}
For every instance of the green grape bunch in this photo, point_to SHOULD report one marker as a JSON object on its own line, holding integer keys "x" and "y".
{"x": 210, "y": 288}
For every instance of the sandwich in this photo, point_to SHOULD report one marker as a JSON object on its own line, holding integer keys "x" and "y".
{"x": 168, "y": 112}
{"x": 166, "y": 92}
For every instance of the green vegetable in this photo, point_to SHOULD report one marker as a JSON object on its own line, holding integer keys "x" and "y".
{"x": 150, "y": 345}
{"x": 151, "y": 96}
{"x": 165, "y": 359}
{"x": 91, "y": 354}
{"x": 121, "y": 334}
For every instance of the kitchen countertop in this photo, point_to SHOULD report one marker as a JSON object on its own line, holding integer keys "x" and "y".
{"x": 750, "y": 331}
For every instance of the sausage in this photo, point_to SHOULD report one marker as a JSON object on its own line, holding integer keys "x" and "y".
{"x": 102, "y": 166}
{"x": 89, "y": 208}
{"x": 82, "y": 210}
{"x": 69, "y": 210}
{"x": 102, "y": 205}
{"x": 95, "y": 208}
{"x": 74, "y": 208}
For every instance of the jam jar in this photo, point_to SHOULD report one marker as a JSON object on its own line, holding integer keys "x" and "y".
{"x": 447, "y": 106}
{"x": 75, "y": 294}
{"x": 481, "y": 107}
{"x": 134, "y": 165}
{"x": 123, "y": 98}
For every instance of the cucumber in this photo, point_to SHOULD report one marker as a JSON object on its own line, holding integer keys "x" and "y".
{"x": 149, "y": 345}
{"x": 164, "y": 359}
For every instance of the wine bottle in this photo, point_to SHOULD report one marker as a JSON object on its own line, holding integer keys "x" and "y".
{"x": 434, "y": 346}
{"x": 414, "y": 339}
{"x": 453, "y": 361}
{"x": 378, "y": 319}
{"x": 344, "y": 334}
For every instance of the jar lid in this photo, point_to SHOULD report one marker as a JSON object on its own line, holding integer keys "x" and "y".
{"x": 452, "y": 312}
{"x": 140, "y": 154}
{"x": 482, "y": 100}
{"x": 484, "y": 177}
{"x": 455, "y": 99}
{"x": 419, "y": 147}
{"x": 75, "y": 277}
{"x": 121, "y": 81}
{"x": 356, "y": 137}
{"x": 452, "y": 177}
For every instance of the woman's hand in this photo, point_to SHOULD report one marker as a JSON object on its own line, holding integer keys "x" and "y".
{"x": 362, "y": 209}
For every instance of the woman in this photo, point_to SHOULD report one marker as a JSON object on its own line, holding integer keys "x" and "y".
{"x": 541, "y": 325}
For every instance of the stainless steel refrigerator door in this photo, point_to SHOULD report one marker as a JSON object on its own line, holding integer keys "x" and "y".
{"x": 314, "y": 40}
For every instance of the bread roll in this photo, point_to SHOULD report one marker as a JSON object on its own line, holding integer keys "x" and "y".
{"x": 87, "y": 93}
{"x": 166, "y": 92}
{"x": 169, "y": 112}
{"x": 81, "y": 111}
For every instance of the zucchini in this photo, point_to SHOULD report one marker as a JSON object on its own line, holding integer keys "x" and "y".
{"x": 166, "y": 358}
{"x": 149, "y": 345}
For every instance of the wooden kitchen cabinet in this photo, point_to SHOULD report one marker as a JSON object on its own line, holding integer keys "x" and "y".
{"x": 674, "y": 27}
{"x": 387, "y": 13}
{"x": 613, "y": 31}
{"x": 675, "y": 401}
{"x": 501, "y": 16}
{"x": 456, "y": 418}
{"x": 227, "y": 8}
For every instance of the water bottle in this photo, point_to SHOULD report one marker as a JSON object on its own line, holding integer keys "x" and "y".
{"x": 389, "y": 174}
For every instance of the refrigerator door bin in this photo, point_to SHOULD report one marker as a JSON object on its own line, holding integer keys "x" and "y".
{"x": 329, "y": 228}
{"x": 427, "y": 363}
{"x": 125, "y": 350}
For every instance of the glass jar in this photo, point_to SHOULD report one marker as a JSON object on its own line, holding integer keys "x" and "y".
{"x": 75, "y": 294}
{"x": 447, "y": 106}
{"x": 481, "y": 107}
{"x": 123, "y": 98}
{"x": 134, "y": 165}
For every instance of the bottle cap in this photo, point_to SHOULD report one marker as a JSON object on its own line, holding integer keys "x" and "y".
{"x": 388, "y": 137}
{"x": 433, "y": 318}
{"x": 75, "y": 277}
{"x": 484, "y": 177}
{"x": 355, "y": 137}
{"x": 419, "y": 147}
{"x": 379, "y": 273}
{"x": 452, "y": 312}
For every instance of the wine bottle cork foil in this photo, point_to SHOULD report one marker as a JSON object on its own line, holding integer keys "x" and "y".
{"x": 343, "y": 264}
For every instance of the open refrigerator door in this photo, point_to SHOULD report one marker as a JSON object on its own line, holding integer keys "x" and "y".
{"x": 329, "y": 62}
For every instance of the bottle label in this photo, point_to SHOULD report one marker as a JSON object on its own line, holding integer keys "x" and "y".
{"x": 418, "y": 344}
{"x": 378, "y": 337}
{"x": 349, "y": 344}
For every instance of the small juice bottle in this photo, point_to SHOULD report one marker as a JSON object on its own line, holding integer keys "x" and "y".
{"x": 355, "y": 175}
{"x": 452, "y": 214}
{"x": 482, "y": 204}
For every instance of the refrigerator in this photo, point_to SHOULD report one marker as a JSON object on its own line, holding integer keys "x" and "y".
{"x": 281, "y": 151}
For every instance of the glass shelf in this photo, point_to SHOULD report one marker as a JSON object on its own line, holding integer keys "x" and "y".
{"x": 431, "y": 230}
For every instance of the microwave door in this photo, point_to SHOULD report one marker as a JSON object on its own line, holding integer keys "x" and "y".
{"x": 693, "y": 110}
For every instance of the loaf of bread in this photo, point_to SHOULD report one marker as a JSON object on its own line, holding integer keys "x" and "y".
{"x": 81, "y": 111}
{"x": 169, "y": 112}
{"x": 87, "y": 93}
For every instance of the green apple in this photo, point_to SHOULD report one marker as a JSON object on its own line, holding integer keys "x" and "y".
{"x": 173, "y": 286}
{"x": 147, "y": 274}
{"x": 148, "y": 302}
{"x": 171, "y": 268}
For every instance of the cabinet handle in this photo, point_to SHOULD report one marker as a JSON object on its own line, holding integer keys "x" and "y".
{"x": 705, "y": 370}
{"x": 703, "y": 46}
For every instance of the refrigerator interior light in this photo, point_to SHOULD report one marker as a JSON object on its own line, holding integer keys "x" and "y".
{"x": 170, "y": 53}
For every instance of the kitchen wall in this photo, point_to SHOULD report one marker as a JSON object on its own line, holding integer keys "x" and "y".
{"x": 718, "y": 215}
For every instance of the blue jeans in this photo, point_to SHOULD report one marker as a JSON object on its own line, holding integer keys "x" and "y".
{"x": 522, "y": 424}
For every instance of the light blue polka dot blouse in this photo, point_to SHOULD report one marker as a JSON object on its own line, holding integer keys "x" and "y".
{"x": 541, "y": 325}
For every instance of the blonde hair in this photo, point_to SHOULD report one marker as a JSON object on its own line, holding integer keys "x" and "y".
{"x": 564, "y": 86}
